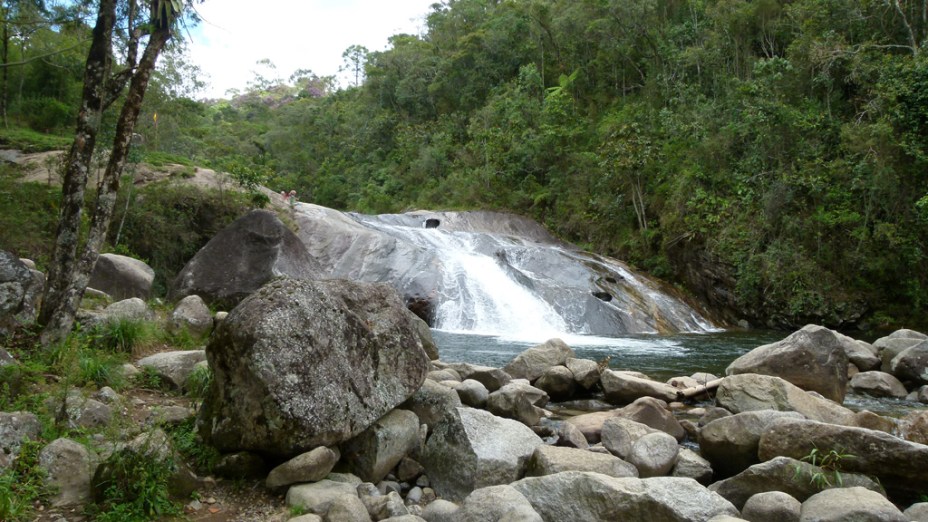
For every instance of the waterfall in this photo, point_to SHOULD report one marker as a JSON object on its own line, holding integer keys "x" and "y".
{"x": 513, "y": 287}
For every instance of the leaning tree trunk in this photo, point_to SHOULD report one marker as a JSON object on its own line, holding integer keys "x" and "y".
{"x": 77, "y": 167}
{"x": 63, "y": 319}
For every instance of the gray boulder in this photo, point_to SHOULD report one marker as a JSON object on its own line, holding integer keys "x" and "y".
{"x": 654, "y": 413}
{"x": 132, "y": 309}
{"x": 441, "y": 510}
{"x": 472, "y": 449}
{"x": 558, "y": 382}
{"x": 192, "y": 314}
{"x": 624, "y": 388}
{"x": 311, "y": 466}
{"x": 15, "y": 428}
{"x": 318, "y": 497}
{"x": 772, "y": 506}
{"x": 494, "y": 503}
{"x": 346, "y": 508}
{"x": 241, "y": 258}
{"x": 472, "y": 393}
{"x": 861, "y": 354}
{"x": 654, "y": 454}
{"x": 785, "y": 474}
{"x": 585, "y": 371}
{"x": 591, "y": 424}
{"x": 730, "y": 443}
{"x": 69, "y": 468}
{"x": 174, "y": 367}
{"x": 812, "y": 358}
{"x": 576, "y": 495}
{"x": 877, "y": 384}
{"x": 751, "y": 392}
{"x": 122, "y": 277}
{"x": 619, "y": 434}
{"x": 492, "y": 378}
{"x": 891, "y": 347}
{"x": 548, "y": 460}
{"x": 532, "y": 363}
{"x": 914, "y": 427}
{"x": 432, "y": 402}
{"x": 898, "y": 464}
{"x": 917, "y": 512}
{"x": 844, "y": 504}
{"x": 690, "y": 465}
{"x": 911, "y": 365}
{"x": 378, "y": 449}
{"x": 518, "y": 400}
{"x": 570, "y": 437}
{"x": 20, "y": 290}
{"x": 301, "y": 364}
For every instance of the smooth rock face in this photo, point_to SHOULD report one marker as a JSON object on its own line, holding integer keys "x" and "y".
{"x": 174, "y": 367}
{"x": 619, "y": 434}
{"x": 346, "y": 508}
{"x": 585, "y": 371}
{"x": 784, "y": 474}
{"x": 622, "y": 388}
{"x": 691, "y": 465}
{"x": 772, "y": 506}
{"x": 241, "y": 258}
{"x": 574, "y": 495}
{"x": 318, "y": 497}
{"x": 730, "y": 443}
{"x": 890, "y": 347}
{"x": 20, "y": 291}
{"x": 518, "y": 401}
{"x": 751, "y": 392}
{"x": 861, "y": 354}
{"x": 69, "y": 467}
{"x": 558, "y": 382}
{"x": 473, "y": 393}
{"x": 311, "y": 466}
{"x": 532, "y": 363}
{"x": 877, "y": 384}
{"x": 192, "y": 314}
{"x": 378, "y": 449}
{"x": 654, "y": 413}
{"x": 917, "y": 512}
{"x": 654, "y": 454}
{"x": 497, "y": 503}
{"x": 899, "y": 464}
{"x": 548, "y": 460}
{"x": 472, "y": 449}
{"x": 492, "y": 378}
{"x": 854, "y": 503}
{"x": 122, "y": 277}
{"x": 301, "y": 364}
{"x": 811, "y": 358}
{"x": 591, "y": 424}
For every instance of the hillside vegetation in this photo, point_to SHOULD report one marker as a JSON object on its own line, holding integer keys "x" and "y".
{"x": 769, "y": 156}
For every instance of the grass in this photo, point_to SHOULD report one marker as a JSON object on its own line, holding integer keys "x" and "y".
{"x": 160, "y": 159}
{"x": 28, "y": 140}
{"x": 830, "y": 464}
{"x": 22, "y": 484}
{"x": 28, "y": 216}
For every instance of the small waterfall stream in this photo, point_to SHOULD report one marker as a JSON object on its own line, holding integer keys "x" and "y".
{"x": 512, "y": 287}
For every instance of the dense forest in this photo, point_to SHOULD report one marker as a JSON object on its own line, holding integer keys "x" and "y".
{"x": 769, "y": 156}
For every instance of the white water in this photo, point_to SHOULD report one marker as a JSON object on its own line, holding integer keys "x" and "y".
{"x": 480, "y": 294}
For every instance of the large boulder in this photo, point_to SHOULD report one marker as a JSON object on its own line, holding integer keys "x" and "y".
{"x": 472, "y": 449}
{"x": 20, "y": 290}
{"x": 654, "y": 454}
{"x": 16, "y": 428}
{"x": 654, "y": 413}
{"x": 854, "y": 503}
{"x": 899, "y": 464}
{"x": 69, "y": 467}
{"x": 751, "y": 392}
{"x": 619, "y": 434}
{"x": 532, "y": 363}
{"x": 301, "y": 364}
{"x": 496, "y": 503}
{"x": 492, "y": 378}
{"x": 432, "y": 402}
{"x": 914, "y": 426}
{"x": 730, "y": 443}
{"x": 122, "y": 277}
{"x": 192, "y": 314}
{"x": 548, "y": 460}
{"x": 558, "y": 382}
{"x": 890, "y": 347}
{"x": 378, "y": 449}
{"x": 772, "y": 506}
{"x": 812, "y": 358}
{"x": 174, "y": 368}
{"x": 878, "y": 384}
{"x": 518, "y": 400}
{"x": 784, "y": 474}
{"x": 576, "y": 495}
{"x": 911, "y": 365}
{"x": 311, "y": 466}
{"x": 242, "y": 257}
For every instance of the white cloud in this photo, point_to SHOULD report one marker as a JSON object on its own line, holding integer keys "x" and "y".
{"x": 293, "y": 34}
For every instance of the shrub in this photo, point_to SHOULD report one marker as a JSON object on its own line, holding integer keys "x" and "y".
{"x": 22, "y": 484}
{"x": 134, "y": 486}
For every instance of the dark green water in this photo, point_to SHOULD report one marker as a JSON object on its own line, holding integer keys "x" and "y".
{"x": 658, "y": 356}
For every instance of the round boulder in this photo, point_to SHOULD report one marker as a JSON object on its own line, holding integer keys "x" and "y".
{"x": 300, "y": 364}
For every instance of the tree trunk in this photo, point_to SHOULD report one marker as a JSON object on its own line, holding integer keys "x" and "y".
{"x": 76, "y": 284}
{"x": 77, "y": 168}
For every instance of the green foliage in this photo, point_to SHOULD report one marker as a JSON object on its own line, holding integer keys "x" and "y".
{"x": 28, "y": 216}
{"x": 121, "y": 335}
{"x": 198, "y": 382}
{"x": 149, "y": 378}
{"x": 22, "y": 484}
{"x": 137, "y": 488}
{"x": 188, "y": 443}
{"x": 830, "y": 465}
{"x": 157, "y": 158}
{"x": 29, "y": 140}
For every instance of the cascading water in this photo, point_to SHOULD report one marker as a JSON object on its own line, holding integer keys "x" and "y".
{"x": 516, "y": 288}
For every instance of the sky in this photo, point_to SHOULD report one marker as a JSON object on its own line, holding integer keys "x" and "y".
{"x": 292, "y": 34}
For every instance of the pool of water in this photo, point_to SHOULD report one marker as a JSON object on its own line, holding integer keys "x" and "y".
{"x": 658, "y": 356}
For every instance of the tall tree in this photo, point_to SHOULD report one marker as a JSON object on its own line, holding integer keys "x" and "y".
{"x": 69, "y": 271}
